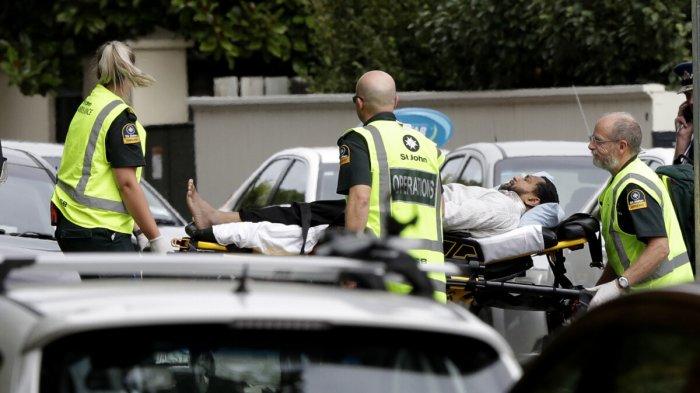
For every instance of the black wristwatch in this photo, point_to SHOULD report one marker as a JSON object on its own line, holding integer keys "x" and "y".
{"x": 623, "y": 282}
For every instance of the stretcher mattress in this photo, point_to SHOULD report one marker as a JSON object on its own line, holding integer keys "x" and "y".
{"x": 523, "y": 241}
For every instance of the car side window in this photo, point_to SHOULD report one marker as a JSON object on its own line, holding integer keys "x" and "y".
{"x": 473, "y": 173}
{"x": 258, "y": 194}
{"x": 293, "y": 186}
{"x": 450, "y": 169}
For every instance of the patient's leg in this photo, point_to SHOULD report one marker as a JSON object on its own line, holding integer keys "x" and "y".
{"x": 203, "y": 214}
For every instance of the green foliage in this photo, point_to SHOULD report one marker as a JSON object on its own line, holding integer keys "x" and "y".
{"x": 491, "y": 44}
{"x": 354, "y": 36}
{"x": 441, "y": 44}
{"x": 277, "y": 29}
{"x": 494, "y": 44}
{"x": 41, "y": 49}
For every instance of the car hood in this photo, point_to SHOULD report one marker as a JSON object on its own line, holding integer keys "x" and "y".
{"x": 14, "y": 245}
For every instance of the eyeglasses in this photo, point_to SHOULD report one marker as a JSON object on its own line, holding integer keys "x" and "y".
{"x": 598, "y": 141}
{"x": 355, "y": 98}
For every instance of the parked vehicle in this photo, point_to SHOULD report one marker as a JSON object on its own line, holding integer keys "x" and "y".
{"x": 302, "y": 174}
{"x": 492, "y": 164}
{"x": 170, "y": 222}
{"x": 643, "y": 342}
{"x": 25, "y": 224}
{"x": 279, "y": 325}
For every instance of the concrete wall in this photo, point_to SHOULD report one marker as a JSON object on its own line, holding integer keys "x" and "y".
{"x": 233, "y": 135}
{"x": 22, "y": 117}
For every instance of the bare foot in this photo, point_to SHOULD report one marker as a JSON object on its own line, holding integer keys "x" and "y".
{"x": 203, "y": 214}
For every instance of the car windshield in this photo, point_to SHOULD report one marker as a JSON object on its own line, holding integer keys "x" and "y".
{"x": 328, "y": 182}
{"x": 258, "y": 359}
{"x": 575, "y": 176}
{"x": 24, "y": 201}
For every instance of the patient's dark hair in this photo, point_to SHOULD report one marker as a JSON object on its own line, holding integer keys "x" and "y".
{"x": 547, "y": 192}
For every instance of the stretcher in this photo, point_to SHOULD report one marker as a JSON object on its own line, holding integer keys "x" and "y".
{"x": 491, "y": 266}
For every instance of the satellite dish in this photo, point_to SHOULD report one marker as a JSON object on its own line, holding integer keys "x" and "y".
{"x": 433, "y": 124}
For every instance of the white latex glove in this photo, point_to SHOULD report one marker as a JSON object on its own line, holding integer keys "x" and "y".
{"x": 604, "y": 293}
{"x": 142, "y": 241}
{"x": 160, "y": 245}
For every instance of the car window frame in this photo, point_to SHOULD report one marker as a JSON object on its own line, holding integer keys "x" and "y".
{"x": 455, "y": 157}
{"x": 253, "y": 182}
{"x": 275, "y": 189}
{"x": 480, "y": 163}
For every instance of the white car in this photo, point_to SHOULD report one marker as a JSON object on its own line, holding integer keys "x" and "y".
{"x": 25, "y": 223}
{"x": 236, "y": 324}
{"x": 170, "y": 222}
{"x": 492, "y": 164}
{"x": 302, "y": 174}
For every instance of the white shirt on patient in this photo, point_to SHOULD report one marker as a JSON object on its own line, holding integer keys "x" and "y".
{"x": 480, "y": 211}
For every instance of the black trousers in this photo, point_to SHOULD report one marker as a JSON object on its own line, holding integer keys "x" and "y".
{"x": 321, "y": 212}
{"x": 74, "y": 238}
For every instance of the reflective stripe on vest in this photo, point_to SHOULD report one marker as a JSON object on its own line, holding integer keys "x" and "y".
{"x": 621, "y": 245}
{"x": 666, "y": 266}
{"x": 78, "y": 193}
{"x": 423, "y": 245}
{"x": 385, "y": 194}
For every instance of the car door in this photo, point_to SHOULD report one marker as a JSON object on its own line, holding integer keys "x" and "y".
{"x": 264, "y": 185}
{"x": 644, "y": 342}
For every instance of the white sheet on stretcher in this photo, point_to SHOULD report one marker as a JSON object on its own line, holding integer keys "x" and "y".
{"x": 266, "y": 237}
{"x": 525, "y": 240}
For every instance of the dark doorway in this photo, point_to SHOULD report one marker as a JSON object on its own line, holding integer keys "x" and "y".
{"x": 170, "y": 161}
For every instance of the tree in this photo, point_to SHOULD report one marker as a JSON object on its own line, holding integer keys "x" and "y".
{"x": 493, "y": 44}
{"x": 434, "y": 45}
{"x": 43, "y": 43}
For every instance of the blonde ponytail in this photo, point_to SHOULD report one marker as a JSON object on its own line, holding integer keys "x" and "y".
{"x": 115, "y": 65}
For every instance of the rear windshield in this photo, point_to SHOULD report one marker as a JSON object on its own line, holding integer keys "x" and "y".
{"x": 223, "y": 359}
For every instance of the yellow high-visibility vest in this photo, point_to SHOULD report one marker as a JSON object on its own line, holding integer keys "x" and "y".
{"x": 624, "y": 249}
{"x": 86, "y": 192}
{"x": 405, "y": 167}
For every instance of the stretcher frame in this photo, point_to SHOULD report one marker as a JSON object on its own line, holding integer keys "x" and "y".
{"x": 476, "y": 289}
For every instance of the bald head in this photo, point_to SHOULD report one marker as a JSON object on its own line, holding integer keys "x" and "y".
{"x": 377, "y": 91}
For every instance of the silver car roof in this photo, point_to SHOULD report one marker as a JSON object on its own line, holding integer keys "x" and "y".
{"x": 61, "y": 309}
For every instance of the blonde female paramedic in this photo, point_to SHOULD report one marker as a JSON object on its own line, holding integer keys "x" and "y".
{"x": 98, "y": 197}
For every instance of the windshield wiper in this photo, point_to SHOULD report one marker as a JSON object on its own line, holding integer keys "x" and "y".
{"x": 34, "y": 235}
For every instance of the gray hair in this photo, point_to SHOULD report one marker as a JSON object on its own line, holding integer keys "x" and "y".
{"x": 114, "y": 62}
{"x": 625, "y": 127}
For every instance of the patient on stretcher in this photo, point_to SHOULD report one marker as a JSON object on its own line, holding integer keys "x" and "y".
{"x": 277, "y": 230}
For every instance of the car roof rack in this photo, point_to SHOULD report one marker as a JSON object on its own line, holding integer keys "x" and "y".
{"x": 211, "y": 265}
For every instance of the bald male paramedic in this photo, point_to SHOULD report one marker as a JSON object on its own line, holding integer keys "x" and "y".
{"x": 388, "y": 169}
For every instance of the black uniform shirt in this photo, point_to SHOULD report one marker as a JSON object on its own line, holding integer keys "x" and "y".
{"x": 122, "y": 143}
{"x": 354, "y": 158}
{"x": 638, "y": 213}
